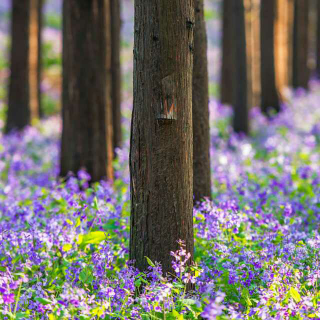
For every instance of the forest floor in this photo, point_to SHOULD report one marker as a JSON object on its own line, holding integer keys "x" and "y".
{"x": 64, "y": 247}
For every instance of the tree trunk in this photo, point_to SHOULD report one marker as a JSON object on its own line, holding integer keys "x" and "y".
{"x": 227, "y": 69}
{"x": 248, "y": 7}
{"x": 200, "y": 109}
{"x": 161, "y": 133}
{"x": 256, "y": 68}
{"x": 116, "y": 71}
{"x": 283, "y": 34}
{"x": 33, "y": 58}
{"x": 23, "y": 101}
{"x": 40, "y": 28}
{"x": 86, "y": 103}
{"x": 269, "y": 93}
{"x": 318, "y": 42}
{"x": 252, "y": 18}
{"x": 239, "y": 81}
{"x": 300, "y": 72}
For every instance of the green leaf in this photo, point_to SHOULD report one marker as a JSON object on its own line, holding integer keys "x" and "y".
{"x": 95, "y": 204}
{"x": 174, "y": 315}
{"x": 137, "y": 283}
{"x": 246, "y": 296}
{"x": 111, "y": 225}
{"x": 98, "y": 311}
{"x": 68, "y": 221}
{"x": 22, "y": 315}
{"x": 295, "y": 294}
{"x": 94, "y": 237}
{"x": 150, "y": 263}
{"x": 43, "y": 301}
{"x": 67, "y": 247}
{"x": 86, "y": 276}
{"x": 78, "y": 222}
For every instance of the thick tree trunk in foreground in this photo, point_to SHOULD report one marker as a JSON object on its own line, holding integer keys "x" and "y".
{"x": 227, "y": 69}
{"x": 23, "y": 95}
{"x": 239, "y": 81}
{"x": 116, "y": 71}
{"x": 200, "y": 109}
{"x": 283, "y": 43}
{"x": 86, "y": 111}
{"x": 161, "y": 133}
{"x": 300, "y": 72}
{"x": 269, "y": 93}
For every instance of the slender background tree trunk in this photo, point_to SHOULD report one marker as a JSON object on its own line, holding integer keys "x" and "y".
{"x": 283, "y": 34}
{"x": 161, "y": 133}
{"x": 19, "y": 100}
{"x": 86, "y": 111}
{"x": 200, "y": 109}
{"x": 269, "y": 93}
{"x": 248, "y": 7}
{"x": 227, "y": 69}
{"x": 40, "y": 29}
{"x": 256, "y": 68}
{"x": 300, "y": 73}
{"x": 252, "y": 17}
{"x": 318, "y": 41}
{"x": 240, "y": 103}
{"x": 116, "y": 71}
{"x": 33, "y": 58}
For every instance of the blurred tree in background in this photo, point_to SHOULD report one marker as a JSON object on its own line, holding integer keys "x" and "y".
{"x": 200, "y": 108}
{"x": 283, "y": 33}
{"x": 269, "y": 93}
{"x": 227, "y": 68}
{"x": 115, "y": 14}
{"x": 23, "y": 95}
{"x": 300, "y": 69}
{"x": 86, "y": 93}
{"x": 239, "y": 79}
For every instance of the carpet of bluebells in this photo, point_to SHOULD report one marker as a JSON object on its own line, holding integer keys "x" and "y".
{"x": 64, "y": 245}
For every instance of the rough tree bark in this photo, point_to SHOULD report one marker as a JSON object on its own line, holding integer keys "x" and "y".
{"x": 269, "y": 93}
{"x": 86, "y": 104}
{"x": 227, "y": 69}
{"x": 161, "y": 133}
{"x": 200, "y": 109}
{"x": 23, "y": 96}
{"x": 300, "y": 71}
{"x": 239, "y": 79}
{"x": 116, "y": 71}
